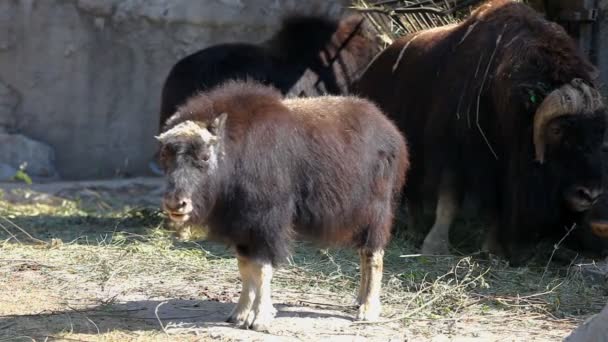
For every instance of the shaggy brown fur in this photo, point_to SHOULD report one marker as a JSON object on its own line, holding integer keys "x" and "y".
{"x": 262, "y": 169}
{"x": 466, "y": 97}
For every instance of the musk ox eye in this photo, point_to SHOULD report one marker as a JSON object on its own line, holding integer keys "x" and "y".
{"x": 204, "y": 156}
{"x": 165, "y": 152}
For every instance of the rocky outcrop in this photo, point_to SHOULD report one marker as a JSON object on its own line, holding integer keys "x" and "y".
{"x": 84, "y": 76}
{"x": 20, "y": 152}
{"x": 9, "y": 100}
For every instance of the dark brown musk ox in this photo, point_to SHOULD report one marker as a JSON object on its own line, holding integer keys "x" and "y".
{"x": 501, "y": 107}
{"x": 258, "y": 170}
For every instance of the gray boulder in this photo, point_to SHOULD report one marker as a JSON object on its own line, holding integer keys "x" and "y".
{"x": 7, "y": 172}
{"x": 594, "y": 329}
{"x": 38, "y": 158}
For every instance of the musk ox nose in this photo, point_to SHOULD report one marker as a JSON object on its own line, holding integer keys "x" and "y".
{"x": 176, "y": 206}
{"x": 588, "y": 194}
{"x": 582, "y": 198}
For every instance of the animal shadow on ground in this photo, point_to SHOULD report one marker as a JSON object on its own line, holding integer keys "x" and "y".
{"x": 136, "y": 316}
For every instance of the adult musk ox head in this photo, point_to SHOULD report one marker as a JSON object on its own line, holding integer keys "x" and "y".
{"x": 568, "y": 131}
{"x": 190, "y": 155}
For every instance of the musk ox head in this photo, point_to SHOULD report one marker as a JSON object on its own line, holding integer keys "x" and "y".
{"x": 568, "y": 131}
{"x": 190, "y": 155}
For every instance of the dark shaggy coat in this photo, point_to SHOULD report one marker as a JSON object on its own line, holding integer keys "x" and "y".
{"x": 326, "y": 168}
{"x": 309, "y": 56}
{"x": 466, "y": 95}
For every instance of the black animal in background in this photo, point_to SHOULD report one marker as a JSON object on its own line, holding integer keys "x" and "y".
{"x": 309, "y": 55}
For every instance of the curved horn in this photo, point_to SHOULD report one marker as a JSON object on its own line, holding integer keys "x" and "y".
{"x": 573, "y": 98}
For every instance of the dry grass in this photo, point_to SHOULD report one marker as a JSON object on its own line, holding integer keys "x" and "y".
{"x": 115, "y": 274}
{"x": 393, "y": 19}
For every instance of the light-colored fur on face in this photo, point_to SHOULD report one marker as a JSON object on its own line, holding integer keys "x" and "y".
{"x": 186, "y": 129}
{"x": 196, "y": 130}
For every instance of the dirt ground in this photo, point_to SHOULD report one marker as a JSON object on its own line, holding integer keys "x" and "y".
{"x": 92, "y": 261}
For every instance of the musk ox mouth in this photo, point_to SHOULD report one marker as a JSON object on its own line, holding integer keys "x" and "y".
{"x": 178, "y": 209}
{"x": 600, "y": 229}
{"x": 179, "y": 217}
{"x": 580, "y": 205}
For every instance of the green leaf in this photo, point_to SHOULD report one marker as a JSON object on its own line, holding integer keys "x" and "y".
{"x": 22, "y": 176}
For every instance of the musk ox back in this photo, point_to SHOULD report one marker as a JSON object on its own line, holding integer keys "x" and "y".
{"x": 258, "y": 170}
{"x": 501, "y": 106}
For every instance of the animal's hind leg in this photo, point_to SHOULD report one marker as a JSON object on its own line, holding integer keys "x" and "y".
{"x": 364, "y": 285}
{"x": 242, "y": 315}
{"x": 437, "y": 240}
{"x": 372, "y": 266}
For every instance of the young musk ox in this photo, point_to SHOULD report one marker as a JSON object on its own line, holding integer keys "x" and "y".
{"x": 309, "y": 55}
{"x": 257, "y": 169}
{"x": 501, "y": 106}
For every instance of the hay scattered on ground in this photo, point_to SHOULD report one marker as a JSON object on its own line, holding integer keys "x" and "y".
{"x": 105, "y": 273}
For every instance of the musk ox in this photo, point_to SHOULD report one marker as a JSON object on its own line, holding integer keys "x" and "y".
{"x": 309, "y": 55}
{"x": 501, "y": 107}
{"x": 259, "y": 170}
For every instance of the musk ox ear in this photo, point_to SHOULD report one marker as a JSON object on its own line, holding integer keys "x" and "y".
{"x": 217, "y": 125}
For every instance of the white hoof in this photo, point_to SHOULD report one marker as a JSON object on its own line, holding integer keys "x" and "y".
{"x": 369, "y": 312}
{"x": 433, "y": 247}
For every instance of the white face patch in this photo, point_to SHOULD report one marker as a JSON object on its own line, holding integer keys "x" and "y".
{"x": 213, "y": 156}
{"x": 193, "y": 129}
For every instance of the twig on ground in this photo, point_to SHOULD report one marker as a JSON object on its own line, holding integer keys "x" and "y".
{"x": 327, "y": 304}
{"x": 11, "y": 235}
{"x": 158, "y": 318}
{"x": 23, "y": 231}
{"x": 555, "y": 248}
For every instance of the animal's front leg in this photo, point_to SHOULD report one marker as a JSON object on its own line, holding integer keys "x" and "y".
{"x": 242, "y": 315}
{"x": 262, "y": 307}
{"x": 370, "y": 302}
{"x": 437, "y": 241}
{"x": 491, "y": 243}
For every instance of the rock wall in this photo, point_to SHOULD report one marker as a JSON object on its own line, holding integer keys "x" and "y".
{"x": 84, "y": 76}
{"x": 601, "y": 47}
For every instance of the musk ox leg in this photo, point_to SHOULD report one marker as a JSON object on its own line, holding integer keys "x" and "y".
{"x": 371, "y": 282}
{"x": 364, "y": 285}
{"x": 263, "y": 310}
{"x": 415, "y": 218}
{"x": 242, "y": 315}
{"x": 491, "y": 244}
{"x": 437, "y": 240}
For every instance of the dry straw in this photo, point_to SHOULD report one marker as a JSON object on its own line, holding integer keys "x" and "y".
{"x": 394, "y": 18}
